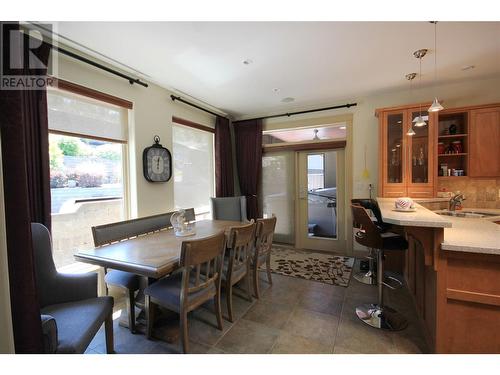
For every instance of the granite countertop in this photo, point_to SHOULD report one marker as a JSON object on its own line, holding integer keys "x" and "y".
{"x": 422, "y": 217}
{"x": 474, "y": 235}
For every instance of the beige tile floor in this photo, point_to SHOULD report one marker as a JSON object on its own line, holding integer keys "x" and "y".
{"x": 292, "y": 316}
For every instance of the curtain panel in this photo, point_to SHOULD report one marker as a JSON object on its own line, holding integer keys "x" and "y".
{"x": 224, "y": 182}
{"x": 248, "y": 145}
{"x": 26, "y": 180}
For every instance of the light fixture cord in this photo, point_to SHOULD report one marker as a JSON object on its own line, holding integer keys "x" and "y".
{"x": 420, "y": 82}
{"x": 435, "y": 59}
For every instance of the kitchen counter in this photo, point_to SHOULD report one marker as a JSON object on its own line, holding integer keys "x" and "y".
{"x": 475, "y": 235}
{"x": 451, "y": 269}
{"x": 422, "y": 217}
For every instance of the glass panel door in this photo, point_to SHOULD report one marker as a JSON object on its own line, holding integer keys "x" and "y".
{"x": 278, "y": 192}
{"x": 394, "y": 150}
{"x": 419, "y": 157}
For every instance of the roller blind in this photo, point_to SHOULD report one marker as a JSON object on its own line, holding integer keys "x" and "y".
{"x": 70, "y": 113}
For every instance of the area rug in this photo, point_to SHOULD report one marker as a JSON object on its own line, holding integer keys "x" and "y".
{"x": 308, "y": 265}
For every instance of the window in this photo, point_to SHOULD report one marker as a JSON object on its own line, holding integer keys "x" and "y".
{"x": 315, "y": 171}
{"x": 87, "y": 144}
{"x": 193, "y": 159}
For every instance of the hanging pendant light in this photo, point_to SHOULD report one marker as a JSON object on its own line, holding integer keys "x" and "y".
{"x": 419, "y": 121}
{"x": 435, "y": 106}
{"x": 410, "y": 77}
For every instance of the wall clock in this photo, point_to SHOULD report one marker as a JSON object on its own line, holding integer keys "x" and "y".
{"x": 157, "y": 162}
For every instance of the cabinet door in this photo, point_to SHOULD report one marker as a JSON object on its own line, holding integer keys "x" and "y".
{"x": 393, "y": 155}
{"x": 421, "y": 155}
{"x": 484, "y": 137}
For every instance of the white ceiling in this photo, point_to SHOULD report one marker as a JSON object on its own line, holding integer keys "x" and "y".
{"x": 317, "y": 63}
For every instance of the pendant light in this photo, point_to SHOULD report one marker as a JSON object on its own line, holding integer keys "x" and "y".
{"x": 410, "y": 77}
{"x": 419, "y": 121}
{"x": 436, "y": 106}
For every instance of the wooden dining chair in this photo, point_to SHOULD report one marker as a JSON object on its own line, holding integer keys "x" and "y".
{"x": 262, "y": 253}
{"x": 200, "y": 280}
{"x": 237, "y": 262}
{"x": 122, "y": 230}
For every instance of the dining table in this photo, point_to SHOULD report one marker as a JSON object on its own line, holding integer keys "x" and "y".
{"x": 154, "y": 255}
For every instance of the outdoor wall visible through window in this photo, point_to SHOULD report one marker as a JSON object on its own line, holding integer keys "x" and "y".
{"x": 86, "y": 146}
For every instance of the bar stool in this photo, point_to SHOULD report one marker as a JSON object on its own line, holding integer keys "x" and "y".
{"x": 377, "y": 314}
{"x": 370, "y": 277}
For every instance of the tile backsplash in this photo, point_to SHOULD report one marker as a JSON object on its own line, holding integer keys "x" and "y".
{"x": 479, "y": 192}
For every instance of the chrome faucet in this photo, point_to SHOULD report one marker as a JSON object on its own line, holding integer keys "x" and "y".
{"x": 456, "y": 200}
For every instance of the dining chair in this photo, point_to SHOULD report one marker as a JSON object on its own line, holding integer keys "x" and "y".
{"x": 123, "y": 230}
{"x": 200, "y": 281}
{"x": 229, "y": 208}
{"x": 237, "y": 262}
{"x": 71, "y": 313}
{"x": 190, "y": 214}
{"x": 262, "y": 253}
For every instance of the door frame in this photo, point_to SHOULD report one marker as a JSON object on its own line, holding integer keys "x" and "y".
{"x": 308, "y": 121}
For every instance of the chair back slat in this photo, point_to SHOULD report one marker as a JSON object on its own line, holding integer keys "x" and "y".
{"x": 199, "y": 255}
{"x": 241, "y": 239}
{"x": 368, "y": 234}
{"x": 264, "y": 236}
{"x": 122, "y": 230}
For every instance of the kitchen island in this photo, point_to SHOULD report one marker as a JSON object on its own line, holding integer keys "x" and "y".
{"x": 452, "y": 270}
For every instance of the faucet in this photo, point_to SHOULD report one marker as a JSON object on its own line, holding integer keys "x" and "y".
{"x": 455, "y": 201}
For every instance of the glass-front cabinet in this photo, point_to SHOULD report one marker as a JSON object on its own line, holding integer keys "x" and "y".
{"x": 406, "y": 162}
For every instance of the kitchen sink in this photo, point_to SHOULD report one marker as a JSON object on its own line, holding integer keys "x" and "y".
{"x": 465, "y": 213}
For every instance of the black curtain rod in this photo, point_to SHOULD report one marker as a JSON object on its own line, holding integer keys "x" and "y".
{"x": 97, "y": 65}
{"x": 174, "y": 98}
{"x": 302, "y": 112}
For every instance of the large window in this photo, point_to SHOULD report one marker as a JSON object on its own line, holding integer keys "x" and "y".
{"x": 87, "y": 152}
{"x": 193, "y": 154}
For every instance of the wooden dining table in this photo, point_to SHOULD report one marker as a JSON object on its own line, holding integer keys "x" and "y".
{"x": 152, "y": 255}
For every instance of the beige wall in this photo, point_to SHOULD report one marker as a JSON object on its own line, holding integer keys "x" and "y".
{"x": 152, "y": 114}
{"x": 365, "y": 124}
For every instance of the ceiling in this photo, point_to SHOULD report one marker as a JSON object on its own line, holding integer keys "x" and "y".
{"x": 316, "y": 63}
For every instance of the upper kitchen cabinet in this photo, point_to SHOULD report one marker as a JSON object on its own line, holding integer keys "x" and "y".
{"x": 406, "y": 162}
{"x": 484, "y": 139}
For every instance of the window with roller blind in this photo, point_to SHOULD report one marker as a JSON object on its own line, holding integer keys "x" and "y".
{"x": 87, "y": 146}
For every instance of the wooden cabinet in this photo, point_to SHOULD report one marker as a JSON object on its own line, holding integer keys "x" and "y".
{"x": 484, "y": 139}
{"x": 407, "y": 164}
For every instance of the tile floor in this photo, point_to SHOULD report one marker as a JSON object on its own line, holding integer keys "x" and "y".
{"x": 292, "y": 316}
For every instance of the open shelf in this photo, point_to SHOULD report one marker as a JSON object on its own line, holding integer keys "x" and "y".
{"x": 452, "y": 136}
{"x": 460, "y": 154}
{"x": 452, "y": 177}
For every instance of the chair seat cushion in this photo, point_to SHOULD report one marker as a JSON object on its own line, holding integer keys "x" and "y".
{"x": 122, "y": 279}
{"x": 78, "y": 322}
{"x": 394, "y": 243}
{"x": 167, "y": 292}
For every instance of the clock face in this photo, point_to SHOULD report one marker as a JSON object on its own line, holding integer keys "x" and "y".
{"x": 157, "y": 164}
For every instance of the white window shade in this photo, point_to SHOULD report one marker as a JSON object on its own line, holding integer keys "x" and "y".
{"x": 75, "y": 114}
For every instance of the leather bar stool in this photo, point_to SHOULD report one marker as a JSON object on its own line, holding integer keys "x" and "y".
{"x": 377, "y": 314}
{"x": 370, "y": 277}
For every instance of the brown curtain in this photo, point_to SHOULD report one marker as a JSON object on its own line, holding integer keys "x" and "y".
{"x": 25, "y": 160}
{"x": 248, "y": 145}
{"x": 224, "y": 182}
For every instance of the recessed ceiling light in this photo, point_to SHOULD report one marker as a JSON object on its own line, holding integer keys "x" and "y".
{"x": 342, "y": 127}
{"x": 288, "y": 99}
{"x": 468, "y": 67}
{"x": 247, "y": 61}
{"x": 276, "y": 90}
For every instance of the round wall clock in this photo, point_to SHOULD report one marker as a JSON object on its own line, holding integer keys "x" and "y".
{"x": 157, "y": 162}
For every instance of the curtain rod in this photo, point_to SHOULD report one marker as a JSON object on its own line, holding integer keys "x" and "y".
{"x": 302, "y": 112}
{"x": 174, "y": 98}
{"x": 100, "y": 66}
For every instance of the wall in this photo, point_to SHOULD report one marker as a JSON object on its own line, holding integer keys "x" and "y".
{"x": 152, "y": 114}
{"x": 365, "y": 124}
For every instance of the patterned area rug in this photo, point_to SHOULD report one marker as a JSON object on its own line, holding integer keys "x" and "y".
{"x": 321, "y": 267}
